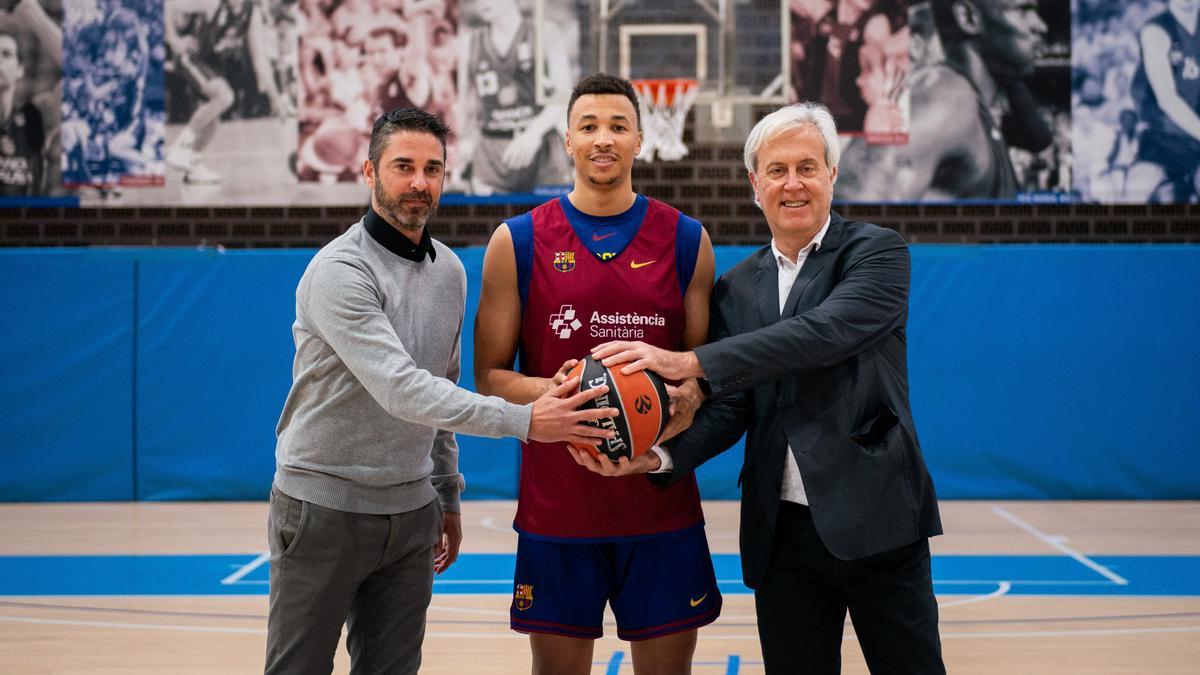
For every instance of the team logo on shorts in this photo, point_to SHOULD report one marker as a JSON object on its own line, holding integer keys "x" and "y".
{"x": 523, "y": 596}
{"x": 564, "y": 261}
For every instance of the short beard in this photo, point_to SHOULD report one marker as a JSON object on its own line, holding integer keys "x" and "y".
{"x": 611, "y": 181}
{"x": 405, "y": 220}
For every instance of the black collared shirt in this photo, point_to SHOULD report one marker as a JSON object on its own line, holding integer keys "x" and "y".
{"x": 391, "y": 239}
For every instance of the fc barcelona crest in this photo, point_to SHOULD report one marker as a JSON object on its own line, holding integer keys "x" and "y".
{"x": 564, "y": 261}
{"x": 523, "y": 596}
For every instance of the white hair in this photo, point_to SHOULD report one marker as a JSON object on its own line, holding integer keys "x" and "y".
{"x": 791, "y": 117}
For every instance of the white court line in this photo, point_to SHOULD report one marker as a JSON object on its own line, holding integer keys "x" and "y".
{"x": 1022, "y": 582}
{"x": 489, "y": 523}
{"x": 506, "y": 634}
{"x": 1002, "y": 588}
{"x": 1081, "y": 633}
{"x": 1057, "y": 542}
{"x": 148, "y": 626}
{"x": 246, "y": 569}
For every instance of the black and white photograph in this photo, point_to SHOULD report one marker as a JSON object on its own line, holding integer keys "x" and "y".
{"x": 990, "y": 114}
{"x": 30, "y": 99}
{"x": 231, "y": 81}
{"x": 1136, "y": 101}
{"x": 114, "y": 102}
{"x": 359, "y": 59}
{"x": 220, "y": 72}
{"x": 511, "y": 134}
{"x": 853, "y": 56}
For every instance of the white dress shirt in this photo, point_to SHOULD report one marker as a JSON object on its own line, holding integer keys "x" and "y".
{"x": 793, "y": 486}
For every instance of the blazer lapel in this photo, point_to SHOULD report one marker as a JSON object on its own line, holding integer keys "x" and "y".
{"x": 817, "y": 260}
{"x": 766, "y": 287}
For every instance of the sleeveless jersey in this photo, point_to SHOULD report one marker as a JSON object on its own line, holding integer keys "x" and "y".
{"x": 21, "y": 139}
{"x": 504, "y": 83}
{"x": 1000, "y": 179}
{"x": 391, "y": 95}
{"x": 1004, "y": 177}
{"x": 1184, "y": 57}
{"x": 221, "y": 37}
{"x": 224, "y": 35}
{"x": 576, "y": 301}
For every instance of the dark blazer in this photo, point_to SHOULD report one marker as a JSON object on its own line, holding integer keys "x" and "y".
{"x": 830, "y": 378}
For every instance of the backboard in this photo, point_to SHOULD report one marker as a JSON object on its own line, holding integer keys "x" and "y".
{"x": 736, "y": 49}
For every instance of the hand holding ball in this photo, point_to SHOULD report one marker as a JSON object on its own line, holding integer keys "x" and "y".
{"x": 641, "y": 398}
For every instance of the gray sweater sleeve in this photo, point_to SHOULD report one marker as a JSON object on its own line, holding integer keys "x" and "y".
{"x": 446, "y": 478}
{"x": 341, "y": 302}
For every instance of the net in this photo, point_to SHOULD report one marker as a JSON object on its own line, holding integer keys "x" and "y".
{"x": 665, "y": 104}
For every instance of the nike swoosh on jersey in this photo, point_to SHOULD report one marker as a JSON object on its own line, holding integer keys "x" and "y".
{"x": 602, "y": 237}
{"x": 698, "y": 600}
{"x": 635, "y": 264}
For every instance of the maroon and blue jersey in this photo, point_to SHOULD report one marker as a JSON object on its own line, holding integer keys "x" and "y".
{"x": 585, "y": 280}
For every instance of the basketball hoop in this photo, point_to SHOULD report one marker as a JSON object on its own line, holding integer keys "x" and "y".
{"x": 665, "y": 104}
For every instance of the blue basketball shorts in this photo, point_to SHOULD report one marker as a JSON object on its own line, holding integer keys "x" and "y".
{"x": 656, "y": 585}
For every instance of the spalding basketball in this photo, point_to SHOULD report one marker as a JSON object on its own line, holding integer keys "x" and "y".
{"x": 641, "y": 398}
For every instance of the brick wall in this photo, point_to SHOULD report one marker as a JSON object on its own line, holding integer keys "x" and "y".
{"x": 709, "y": 184}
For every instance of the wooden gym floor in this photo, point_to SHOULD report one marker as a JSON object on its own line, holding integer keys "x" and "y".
{"x": 1029, "y": 587}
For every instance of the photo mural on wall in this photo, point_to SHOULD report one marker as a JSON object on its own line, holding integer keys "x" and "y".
{"x": 114, "y": 102}
{"x": 1136, "y": 101}
{"x": 31, "y": 53}
{"x": 989, "y": 112}
{"x": 247, "y": 102}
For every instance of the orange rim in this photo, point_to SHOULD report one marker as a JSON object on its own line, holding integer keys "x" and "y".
{"x": 665, "y": 88}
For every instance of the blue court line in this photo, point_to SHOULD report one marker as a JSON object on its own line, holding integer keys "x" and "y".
{"x": 614, "y": 664}
{"x": 732, "y": 664}
{"x": 491, "y": 573}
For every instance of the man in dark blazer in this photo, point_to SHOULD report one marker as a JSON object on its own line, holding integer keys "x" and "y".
{"x": 808, "y": 356}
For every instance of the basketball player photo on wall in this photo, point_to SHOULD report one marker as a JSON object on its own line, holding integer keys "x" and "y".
{"x": 511, "y": 118}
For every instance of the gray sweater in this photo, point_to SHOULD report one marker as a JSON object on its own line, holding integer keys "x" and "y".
{"x": 368, "y": 426}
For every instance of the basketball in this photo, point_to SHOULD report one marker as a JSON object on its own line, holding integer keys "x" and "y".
{"x": 641, "y": 398}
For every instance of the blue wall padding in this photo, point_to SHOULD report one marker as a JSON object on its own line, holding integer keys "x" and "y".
{"x": 1058, "y": 372}
{"x": 214, "y": 367}
{"x": 1036, "y": 372}
{"x": 66, "y": 426}
{"x": 490, "y": 465}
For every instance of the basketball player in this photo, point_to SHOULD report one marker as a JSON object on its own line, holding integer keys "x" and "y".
{"x": 952, "y": 154}
{"x": 365, "y": 500}
{"x": 206, "y": 38}
{"x": 577, "y": 271}
{"x": 398, "y": 76}
{"x": 1167, "y": 91}
{"x": 29, "y": 105}
{"x": 22, "y": 135}
{"x": 809, "y": 361}
{"x": 513, "y": 142}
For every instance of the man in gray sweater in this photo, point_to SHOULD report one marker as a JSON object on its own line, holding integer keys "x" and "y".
{"x": 365, "y": 502}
